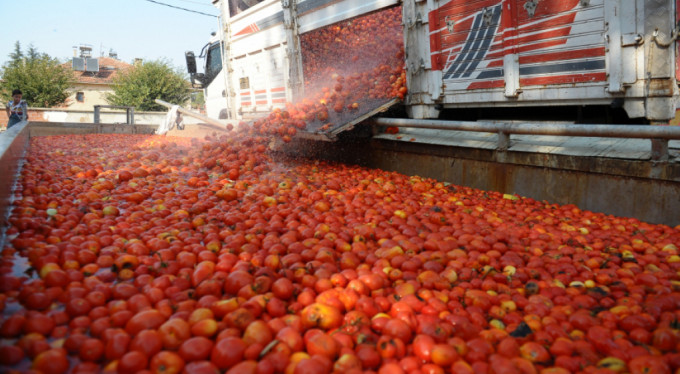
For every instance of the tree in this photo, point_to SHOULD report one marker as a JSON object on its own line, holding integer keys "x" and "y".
{"x": 197, "y": 99}
{"x": 16, "y": 56}
{"x": 42, "y": 80}
{"x": 147, "y": 81}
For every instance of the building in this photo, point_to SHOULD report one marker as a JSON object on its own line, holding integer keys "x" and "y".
{"x": 91, "y": 87}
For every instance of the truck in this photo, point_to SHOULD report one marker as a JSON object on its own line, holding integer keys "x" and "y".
{"x": 458, "y": 54}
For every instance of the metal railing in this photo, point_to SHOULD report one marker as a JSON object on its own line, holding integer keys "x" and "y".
{"x": 129, "y": 113}
{"x": 189, "y": 113}
{"x": 659, "y": 135}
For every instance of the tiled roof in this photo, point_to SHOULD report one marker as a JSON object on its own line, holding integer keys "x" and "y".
{"x": 108, "y": 68}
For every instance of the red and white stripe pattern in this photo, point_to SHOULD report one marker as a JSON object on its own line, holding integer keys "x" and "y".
{"x": 248, "y": 29}
{"x": 471, "y": 57}
{"x": 278, "y": 95}
{"x": 246, "y": 99}
{"x": 261, "y": 97}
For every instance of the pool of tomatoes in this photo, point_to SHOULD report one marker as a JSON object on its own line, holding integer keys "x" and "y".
{"x": 152, "y": 254}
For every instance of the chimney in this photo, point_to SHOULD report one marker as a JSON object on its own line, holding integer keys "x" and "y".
{"x": 85, "y": 51}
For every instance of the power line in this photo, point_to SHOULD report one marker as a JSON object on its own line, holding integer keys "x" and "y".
{"x": 195, "y": 2}
{"x": 184, "y": 9}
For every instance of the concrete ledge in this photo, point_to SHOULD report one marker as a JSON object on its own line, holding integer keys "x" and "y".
{"x": 628, "y": 168}
{"x": 68, "y": 128}
{"x": 13, "y": 146}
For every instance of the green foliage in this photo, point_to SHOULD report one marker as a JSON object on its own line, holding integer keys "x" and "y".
{"x": 197, "y": 99}
{"x": 146, "y": 82}
{"x": 43, "y": 81}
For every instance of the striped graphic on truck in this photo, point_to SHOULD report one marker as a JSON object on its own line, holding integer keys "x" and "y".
{"x": 261, "y": 97}
{"x": 469, "y": 43}
{"x": 278, "y": 95}
{"x": 246, "y": 99}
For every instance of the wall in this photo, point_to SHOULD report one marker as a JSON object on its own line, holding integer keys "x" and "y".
{"x": 13, "y": 145}
{"x": 33, "y": 115}
{"x": 87, "y": 116}
{"x": 94, "y": 94}
{"x": 675, "y": 121}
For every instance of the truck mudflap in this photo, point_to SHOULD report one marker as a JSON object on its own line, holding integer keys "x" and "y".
{"x": 344, "y": 121}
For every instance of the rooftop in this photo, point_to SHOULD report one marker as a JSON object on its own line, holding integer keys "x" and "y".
{"x": 108, "y": 69}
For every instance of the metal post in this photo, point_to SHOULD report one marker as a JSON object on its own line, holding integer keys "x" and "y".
{"x": 225, "y": 39}
{"x": 290, "y": 25}
{"x": 660, "y": 149}
{"x": 132, "y": 116}
{"x": 503, "y": 141}
{"x": 97, "y": 108}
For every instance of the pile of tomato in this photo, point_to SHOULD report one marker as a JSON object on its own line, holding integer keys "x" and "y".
{"x": 137, "y": 254}
{"x": 344, "y": 65}
{"x": 358, "y": 45}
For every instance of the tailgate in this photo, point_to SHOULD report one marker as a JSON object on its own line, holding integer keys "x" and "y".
{"x": 344, "y": 121}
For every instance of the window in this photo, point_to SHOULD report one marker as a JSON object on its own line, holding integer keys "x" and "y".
{"x": 238, "y": 6}
{"x": 80, "y": 97}
{"x": 244, "y": 83}
{"x": 213, "y": 63}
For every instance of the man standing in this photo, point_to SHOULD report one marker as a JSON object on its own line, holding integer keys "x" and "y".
{"x": 17, "y": 109}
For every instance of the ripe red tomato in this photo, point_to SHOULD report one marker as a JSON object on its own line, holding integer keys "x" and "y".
{"x": 368, "y": 356}
{"x": 166, "y": 362}
{"x": 322, "y": 344}
{"x": 10, "y": 355}
{"x": 146, "y": 319}
{"x": 283, "y": 288}
{"x": 148, "y": 342}
{"x": 39, "y": 323}
{"x": 665, "y": 339}
{"x": 201, "y": 367}
{"x": 648, "y": 365}
{"x": 443, "y": 355}
{"x": 228, "y": 352}
{"x": 422, "y": 347}
{"x": 174, "y": 332}
{"x": 117, "y": 344}
{"x": 132, "y": 362}
{"x": 12, "y": 326}
{"x": 91, "y": 350}
{"x": 195, "y": 349}
{"x": 398, "y": 329}
{"x": 52, "y": 361}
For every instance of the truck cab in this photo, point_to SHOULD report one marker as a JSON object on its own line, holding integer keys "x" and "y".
{"x": 212, "y": 80}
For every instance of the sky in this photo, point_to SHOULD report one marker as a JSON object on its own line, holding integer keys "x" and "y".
{"x": 132, "y": 28}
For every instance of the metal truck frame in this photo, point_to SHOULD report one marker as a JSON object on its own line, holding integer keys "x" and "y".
{"x": 464, "y": 54}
